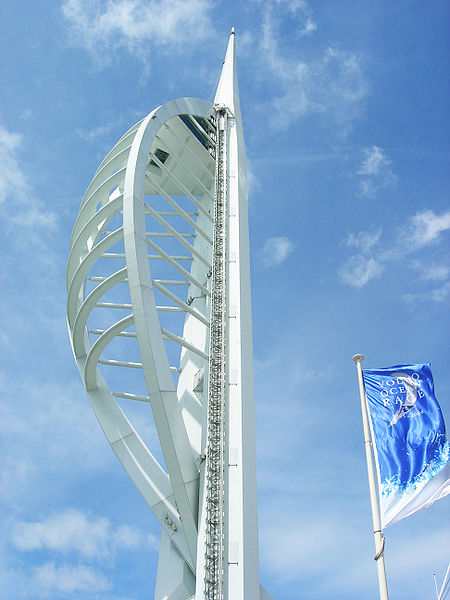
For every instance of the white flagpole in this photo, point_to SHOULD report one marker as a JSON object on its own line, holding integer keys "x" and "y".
{"x": 435, "y": 585}
{"x": 443, "y": 592}
{"x": 378, "y": 534}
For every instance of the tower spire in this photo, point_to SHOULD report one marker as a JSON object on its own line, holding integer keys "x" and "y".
{"x": 227, "y": 92}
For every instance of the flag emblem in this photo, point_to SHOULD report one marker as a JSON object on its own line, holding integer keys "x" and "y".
{"x": 408, "y": 434}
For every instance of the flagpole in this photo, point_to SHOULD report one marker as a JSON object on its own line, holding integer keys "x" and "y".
{"x": 443, "y": 593}
{"x": 378, "y": 534}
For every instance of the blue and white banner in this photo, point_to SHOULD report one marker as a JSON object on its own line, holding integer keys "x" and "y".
{"x": 408, "y": 432}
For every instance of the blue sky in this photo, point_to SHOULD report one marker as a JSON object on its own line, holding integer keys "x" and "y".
{"x": 345, "y": 108}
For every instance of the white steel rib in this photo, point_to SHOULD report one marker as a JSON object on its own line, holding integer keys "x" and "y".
{"x": 173, "y": 329}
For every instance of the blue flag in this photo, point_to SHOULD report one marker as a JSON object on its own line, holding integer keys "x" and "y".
{"x": 408, "y": 433}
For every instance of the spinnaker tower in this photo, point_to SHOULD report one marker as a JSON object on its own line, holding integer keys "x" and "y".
{"x": 159, "y": 312}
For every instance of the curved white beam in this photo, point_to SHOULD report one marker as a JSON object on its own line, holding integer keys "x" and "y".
{"x": 76, "y": 283}
{"x": 89, "y": 229}
{"x": 143, "y": 469}
{"x": 86, "y": 308}
{"x": 172, "y": 433}
{"x": 99, "y": 195}
{"x": 124, "y": 172}
{"x": 90, "y": 378}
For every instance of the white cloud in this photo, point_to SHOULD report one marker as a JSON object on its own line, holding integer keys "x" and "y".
{"x": 370, "y": 257}
{"x": 73, "y": 531}
{"x": 65, "y": 532}
{"x": 63, "y": 426}
{"x": 12, "y": 179}
{"x": 363, "y": 240}
{"x": 93, "y": 134}
{"x": 441, "y": 294}
{"x": 431, "y": 272}
{"x": 18, "y": 205}
{"x": 71, "y": 551}
{"x": 438, "y": 295}
{"x": 299, "y": 12}
{"x": 69, "y": 579}
{"x": 436, "y": 272}
{"x": 309, "y": 27}
{"x": 136, "y": 25}
{"x": 426, "y": 227}
{"x": 126, "y": 537}
{"x": 276, "y": 250}
{"x": 332, "y": 84}
{"x": 262, "y": 366}
{"x": 374, "y": 161}
{"x": 359, "y": 270}
{"x": 375, "y": 172}
{"x": 361, "y": 267}
{"x": 253, "y": 183}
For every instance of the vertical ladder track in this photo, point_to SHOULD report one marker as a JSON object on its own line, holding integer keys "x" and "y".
{"x": 216, "y": 388}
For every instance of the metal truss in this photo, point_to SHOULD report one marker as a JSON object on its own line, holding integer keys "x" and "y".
{"x": 214, "y": 541}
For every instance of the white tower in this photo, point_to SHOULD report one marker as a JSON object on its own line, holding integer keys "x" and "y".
{"x": 162, "y": 238}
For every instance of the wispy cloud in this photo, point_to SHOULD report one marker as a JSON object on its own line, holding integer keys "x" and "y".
{"x": 93, "y": 134}
{"x": 136, "y": 25}
{"x": 300, "y": 11}
{"x": 364, "y": 241}
{"x": 68, "y": 579}
{"x": 431, "y": 272}
{"x": 18, "y": 204}
{"x": 276, "y": 250}
{"x": 438, "y": 294}
{"x": 74, "y": 540}
{"x": 332, "y": 84}
{"x": 370, "y": 257}
{"x": 362, "y": 266}
{"x": 253, "y": 183}
{"x": 12, "y": 179}
{"x": 425, "y": 228}
{"x": 360, "y": 269}
{"x": 92, "y": 538}
{"x": 309, "y": 28}
{"x": 437, "y": 276}
{"x": 63, "y": 426}
{"x": 375, "y": 172}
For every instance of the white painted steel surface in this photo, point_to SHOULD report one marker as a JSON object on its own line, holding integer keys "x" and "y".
{"x": 140, "y": 272}
{"x": 375, "y": 508}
